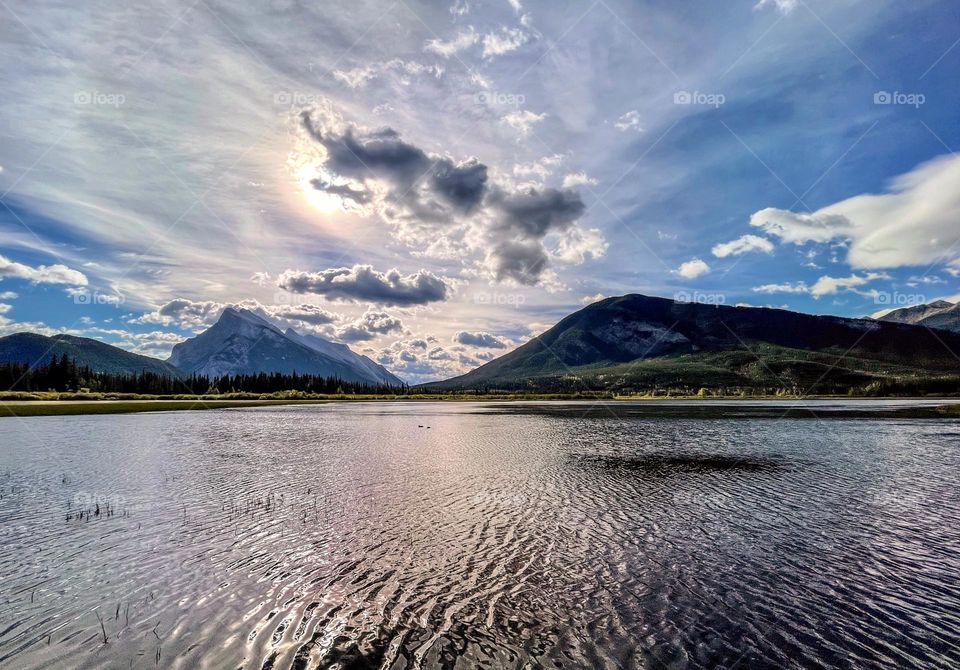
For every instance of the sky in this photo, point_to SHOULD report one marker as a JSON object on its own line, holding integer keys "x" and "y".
{"x": 433, "y": 183}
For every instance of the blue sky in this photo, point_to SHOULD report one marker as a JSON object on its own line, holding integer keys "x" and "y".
{"x": 434, "y": 183}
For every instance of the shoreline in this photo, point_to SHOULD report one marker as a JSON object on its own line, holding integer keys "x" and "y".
{"x": 735, "y": 407}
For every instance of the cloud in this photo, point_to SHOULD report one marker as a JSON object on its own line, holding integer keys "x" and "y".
{"x": 369, "y": 326}
{"x": 743, "y": 245}
{"x": 913, "y": 223}
{"x": 8, "y": 295}
{"x": 801, "y": 228}
{"x": 832, "y": 285}
{"x": 787, "y": 287}
{"x": 463, "y": 40}
{"x": 783, "y": 6}
{"x": 590, "y": 299}
{"x": 190, "y": 314}
{"x": 41, "y": 274}
{"x": 421, "y": 182}
{"x": 359, "y": 77}
{"x": 447, "y": 209}
{"x": 575, "y": 179}
{"x": 482, "y": 340}
{"x": 199, "y": 315}
{"x": 312, "y": 314}
{"x": 629, "y": 121}
{"x": 540, "y": 168}
{"x": 504, "y": 41}
{"x": 693, "y": 269}
{"x": 578, "y": 245}
{"x": 825, "y": 285}
{"x": 523, "y": 120}
{"x": 523, "y": 219}
{"x": 363, "y": 283}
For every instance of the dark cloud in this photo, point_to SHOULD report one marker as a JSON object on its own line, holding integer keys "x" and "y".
{"x": 523, "y": 261}
{"x": 344, "y": 191}
{"x": 381, "y": 154}
{"x": 482, "y": 340}
{"x": 363, "y": 283}
{"x": 438, "y": 204}
{"x": 462, "y": 186}
{"x": 533, "y": 213}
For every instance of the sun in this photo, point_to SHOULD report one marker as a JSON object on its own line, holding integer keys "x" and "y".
{"x": 321, "y": 201}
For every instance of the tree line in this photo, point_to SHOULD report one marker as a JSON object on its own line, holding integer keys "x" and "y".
{"x": 63, "y": 374}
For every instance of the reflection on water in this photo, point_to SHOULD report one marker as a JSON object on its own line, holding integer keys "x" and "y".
{"x": 505, "y": 536}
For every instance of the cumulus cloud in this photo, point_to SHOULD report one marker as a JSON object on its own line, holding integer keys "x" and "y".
{"x": 504, "y": 41}
{"x": 913, "y": 223}
{"x": 538, "y": 169}
{"x": 577, "y": 246}
{"x": 41, "y": 274}
{"x": 363, "y": 283}
{"x": 185, "y": 313}
{"x": 369, "y": 326}
{"x": 629, "y": 121}
{"x": 312, "y": 314}
{"x": 575, "y": 179}
{"x": 463, "y": 40}
{"x": 419, "y": 362}
{"x": 742, "y": 245}
{"x": 448, "y": 209}
{"x": 832, "y": 285}
{"x": 482, "y": 340}
{"x": 523, "y": 120}
{"x": 693, "y": 269}
{"x": 825, "y": 285}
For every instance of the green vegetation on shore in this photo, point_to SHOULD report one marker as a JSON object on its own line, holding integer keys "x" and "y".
{"x": 16, "y": 404}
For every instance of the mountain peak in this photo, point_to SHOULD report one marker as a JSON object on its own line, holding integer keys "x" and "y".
{"x": 245, "y": 342}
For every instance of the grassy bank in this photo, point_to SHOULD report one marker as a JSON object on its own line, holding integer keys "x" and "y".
{"x": 74, "y": 407}
{"x": 65, "y": 404}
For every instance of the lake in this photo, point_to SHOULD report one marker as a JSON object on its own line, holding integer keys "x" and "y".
{"x": 457, "y": 535}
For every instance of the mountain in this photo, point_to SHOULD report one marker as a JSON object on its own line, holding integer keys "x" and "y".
{"x": 32, "y": 348}
{"x": 242, "y": 342}
{"x": 346, "y": 355}
{"x": 639, "y": 342}
{"x": 940, "y": 314}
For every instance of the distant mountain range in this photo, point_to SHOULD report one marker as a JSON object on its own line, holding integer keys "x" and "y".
{"x": 940, "y": 314}
{"x": 242, "y": 342}
{"x": 640, "y": 342}
{"x": 633, "y": 342}
{"x": 35, "y": 349}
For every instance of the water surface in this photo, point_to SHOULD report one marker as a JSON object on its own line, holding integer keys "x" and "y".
{"x": 396, "y": 535}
